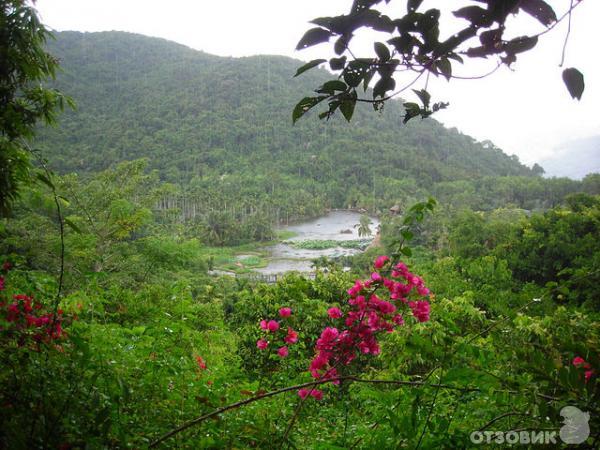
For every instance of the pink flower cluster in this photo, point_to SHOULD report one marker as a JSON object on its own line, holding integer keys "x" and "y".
{"x": 368, "y": 314}
{"x": 272, "y": 328}
{"x": 579, "y": 362}
{"x": 27, "y": 319}
{"x": 200, "y": 362}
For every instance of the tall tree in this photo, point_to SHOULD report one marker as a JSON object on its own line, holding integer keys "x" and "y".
{"x": 24, "y": 101}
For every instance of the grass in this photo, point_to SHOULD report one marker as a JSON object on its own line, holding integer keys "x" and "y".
{"x": 283, "y": 235}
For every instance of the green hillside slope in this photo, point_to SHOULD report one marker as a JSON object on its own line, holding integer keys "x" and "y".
{"x": 192, "y": 113}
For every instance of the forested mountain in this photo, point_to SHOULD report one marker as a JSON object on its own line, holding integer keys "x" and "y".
{"x": 195, "y": 114}
{"x": 220, "y": 130}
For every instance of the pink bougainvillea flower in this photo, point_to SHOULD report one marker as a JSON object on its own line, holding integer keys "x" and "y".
{"x": 201, "y": 363}
{"x": 335, "y": 313}
{"x": 303, "y": 393}
{"x": 316, "y": 394}
{"x": 398, "y": 320}
{"x": 420, "y": 310}
{"x": 380, "y": 261}
{"x": 422, "y": 290}
{"x": 285, "y": 312}
{"x": 273, "y": 325}
{"x": 292, "y": 337}
{"x": 578, "y": 361}
{"x": 263, "y": 325}
{"x": 262, "y": 344}
{"x": 1, "y": 283}
{"x": 283, "y": 352}
{"x": 355, "y": 290}
{"x": 588, "y": 374}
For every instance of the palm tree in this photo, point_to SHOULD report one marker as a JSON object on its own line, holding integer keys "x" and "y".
{"x": 363, "y": 226}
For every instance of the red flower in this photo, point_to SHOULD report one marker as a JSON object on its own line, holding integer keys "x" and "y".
{"x": 578, "y": 361}
{"x": 316, "y": 394}
{"x": 335, "y": 313}
{"x": 285, "y": 312}
{"x": 200, "y": 362}
{"x": 292, "y": 337}
{"x": 303, "y": 393}
{"x": 588, "y": 374}
{"x": 380, "y": 261}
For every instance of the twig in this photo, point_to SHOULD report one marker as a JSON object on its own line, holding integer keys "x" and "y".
{"x": 564, "y": 49}
{"x": 61, "y": 223}
{"x": 502, "y": 416}
{"x": 247, "y": 401}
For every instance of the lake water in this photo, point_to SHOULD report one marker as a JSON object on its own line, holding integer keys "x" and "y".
{"x": 285, "y": 258}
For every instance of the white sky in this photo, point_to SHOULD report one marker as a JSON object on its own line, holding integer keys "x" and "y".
{"x": 527, "y": 112}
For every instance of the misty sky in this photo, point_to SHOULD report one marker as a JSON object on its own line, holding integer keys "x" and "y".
{"x": 526, "y": 111}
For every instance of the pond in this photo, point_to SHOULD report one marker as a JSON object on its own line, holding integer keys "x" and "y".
{"x": 340, "y": 226}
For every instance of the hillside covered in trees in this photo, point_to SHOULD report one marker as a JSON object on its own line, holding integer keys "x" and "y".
{"x": 194, "y": 114}
{"x": 220, "y": 131}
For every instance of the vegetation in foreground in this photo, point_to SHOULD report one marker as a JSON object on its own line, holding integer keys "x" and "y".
{"x": 143, "y": 349}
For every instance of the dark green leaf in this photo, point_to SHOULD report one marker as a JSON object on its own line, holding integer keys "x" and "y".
{"x": 445, "y": 68}
{"x": 382, "y": 86}
{"x": 520, "y": 44}
{"x": 340, "y": 45}
{"x": 347, "y": 108}
{"x": 574, "y": 81}
{"x": 407, "y": 235}
{"x": 326, "y": 22}
{"x": 411, "y": 110}
{"x": 331, "y": 86}
{"x": 74, "y": 227}
{"x": 481, "y": 52}
{"x": 403, "y": 43}
{"x": 406, "y": 251}
{"x": 367, "y": 79}
{"x": 424, "y": 96}
{"x": 474, "y": 14}
{"x": 305, "y": 105}
{"x": 456, "y": 57}
{"x": 309, "y": 65}
{"x": 413, "y": 5}
{"x": 382, "y": 51}
{"x": 539, "y": 9}
{"x": 312, "y": 37}
{"x": 337, "y": 63}
{"x": 44, "y": 179}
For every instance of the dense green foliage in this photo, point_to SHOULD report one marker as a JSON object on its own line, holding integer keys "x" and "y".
{"x": 140, "y": 309}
